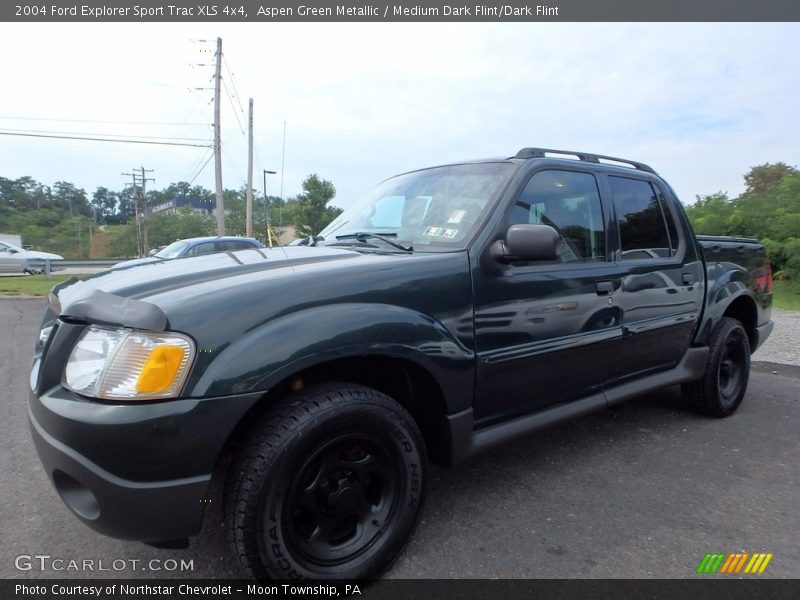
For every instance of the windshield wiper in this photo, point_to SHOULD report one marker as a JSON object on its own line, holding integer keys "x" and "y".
{"x": 362, "y": 236}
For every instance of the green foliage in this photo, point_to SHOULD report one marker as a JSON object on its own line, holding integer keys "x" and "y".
{"x": 312, "y": 213}
{"x": 761, "y": 178}
{"x": 710, "y": 214}
{"x": 166, "y": 228}
{"x": 104, "y": 204}
{"x": 163, "y": 229}
{"x": 124, "y": 243}
{"x": 769, "y": 210}
{"x": 787, "y": 295}
{"x": 62, "y": 218}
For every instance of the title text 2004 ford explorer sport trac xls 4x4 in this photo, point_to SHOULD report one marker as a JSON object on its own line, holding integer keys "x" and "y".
{"x": 450, "y": 309}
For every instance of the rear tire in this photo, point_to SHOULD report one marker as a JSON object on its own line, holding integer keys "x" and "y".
{"x": 721, "y": 389}
{"x": 329, "y": 486}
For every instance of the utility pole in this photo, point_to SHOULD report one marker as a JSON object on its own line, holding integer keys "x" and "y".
{"x": 146, "y": 214}
{"x": 218, "y": 141}
{"x": 139, "y": 184}
{"x": 92, "y": 222}
{"x": 270, "y": 233}
{"x": 283, "y": 160}
{"x": 136, "y": 212}
{"x": 248, "y": 226}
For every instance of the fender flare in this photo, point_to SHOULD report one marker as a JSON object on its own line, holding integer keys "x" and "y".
{"x": 724, "y": 293}
{"x": 275, "y": 350}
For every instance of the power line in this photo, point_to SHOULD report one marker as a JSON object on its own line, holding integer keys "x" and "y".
{"x": 233, "y": 83}
{"x": 231, "y": 163}
{"x": 227, "y": 93}
{"x": 112, "y": 135}
{"x": 195, "y": 164}
{"x": 191, "y": 113}
{"x": 205, "y": 164}
{"x": 107, "y": 121}
{"x": 93, "y": 139}
{"x": 198, "y": 103}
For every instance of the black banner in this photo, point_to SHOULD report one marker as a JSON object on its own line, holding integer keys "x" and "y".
{"x": 401, "y": 589}
{"x": 256, "y": 11}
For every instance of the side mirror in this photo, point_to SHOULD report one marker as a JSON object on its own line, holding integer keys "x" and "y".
{"x": 13, "y": 251}
{"x": 525, "y": 242}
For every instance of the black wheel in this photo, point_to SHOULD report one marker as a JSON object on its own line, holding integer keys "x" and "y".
{"x": 329, "y": 486}
{"x": 721, "y": 389}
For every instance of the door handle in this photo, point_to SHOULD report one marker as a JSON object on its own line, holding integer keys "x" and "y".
{"x": 604, "y": 287}
{"x": 687, "y": 278}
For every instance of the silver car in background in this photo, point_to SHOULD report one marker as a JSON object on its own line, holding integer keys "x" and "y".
{"x": 14, "y": 259}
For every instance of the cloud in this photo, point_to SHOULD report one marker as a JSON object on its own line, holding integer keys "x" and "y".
{"x": 700, "y": 102}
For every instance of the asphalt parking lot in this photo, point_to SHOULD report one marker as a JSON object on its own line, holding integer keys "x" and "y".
{"x": 642, "y": 490}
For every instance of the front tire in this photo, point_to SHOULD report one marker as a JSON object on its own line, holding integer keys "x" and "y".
{"x": 329, "y": 486}
{"x": 721, "y": 389}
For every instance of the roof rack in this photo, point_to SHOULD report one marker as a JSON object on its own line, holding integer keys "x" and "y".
{"x": 585, "y": 156}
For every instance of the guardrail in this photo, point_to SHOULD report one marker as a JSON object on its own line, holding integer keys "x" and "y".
{"x": 85, "y": 262}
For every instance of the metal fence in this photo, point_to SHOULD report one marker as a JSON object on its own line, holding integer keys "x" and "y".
{"x": 66, "y": 264}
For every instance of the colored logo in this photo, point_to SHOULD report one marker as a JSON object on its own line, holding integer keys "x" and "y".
{"x": 738, "y": 562}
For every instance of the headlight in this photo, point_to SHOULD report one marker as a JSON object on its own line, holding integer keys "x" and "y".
{"x": 122, "y": 364}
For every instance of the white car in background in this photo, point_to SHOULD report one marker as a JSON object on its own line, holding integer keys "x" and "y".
{"x": 14, "y": 259}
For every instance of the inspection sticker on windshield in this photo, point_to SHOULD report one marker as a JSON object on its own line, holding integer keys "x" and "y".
{"x": 456, "y": 216}
{"x": 450, "y": 233}
{"x": 433, "y": 231}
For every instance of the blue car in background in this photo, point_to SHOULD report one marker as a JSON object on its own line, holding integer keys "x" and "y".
{"x": 194, "y": 247}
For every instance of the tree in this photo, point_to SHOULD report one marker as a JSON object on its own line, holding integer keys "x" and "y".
{"x": 71, "y": 198}
{"x": 710, "y": 213}
{"x": 762, "y": 177}
{"x": 126, "y": 206}
{"x": 104, "y": 204}
{"x": 186, "y": 223}
{"x": 235, "y": 211}
{"x": 769, "y": 211}
{"x": 311, "y": 213}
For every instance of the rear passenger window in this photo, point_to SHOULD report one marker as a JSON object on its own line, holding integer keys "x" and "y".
{"x": 232, "y": 245}
{"x": 642, "y": 220}
{"x": 569, "y": 202}
{"x": 202, "y": 248}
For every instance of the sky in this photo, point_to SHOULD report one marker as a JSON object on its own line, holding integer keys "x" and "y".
{"x": 701, "y": 103}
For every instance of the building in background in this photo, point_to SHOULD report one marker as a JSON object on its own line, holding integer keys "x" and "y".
{"x": 205, "y": 207}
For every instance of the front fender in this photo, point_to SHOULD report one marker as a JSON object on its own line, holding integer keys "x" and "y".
{"x": 274, "y": 351}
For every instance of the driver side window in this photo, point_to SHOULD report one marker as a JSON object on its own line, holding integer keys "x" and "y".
{"x": 569, "y": 202}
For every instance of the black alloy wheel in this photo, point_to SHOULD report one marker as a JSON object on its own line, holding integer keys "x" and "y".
{"x": 733, "y": 360}
{"x": 329, "y": 485}
{"x": 342, "y": 499}
{"x": 722, "y": 388}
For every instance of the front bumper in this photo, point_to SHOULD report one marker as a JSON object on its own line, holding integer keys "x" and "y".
{"x": 133, "y": 471}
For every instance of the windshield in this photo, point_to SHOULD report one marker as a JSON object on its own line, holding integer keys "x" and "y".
{"x": 9, "y": 248}
{"x": 172, "y": 251}
{"x": 434, "y": 209}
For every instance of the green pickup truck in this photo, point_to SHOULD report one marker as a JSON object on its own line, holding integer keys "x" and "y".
{"x": 451, "y": 309}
